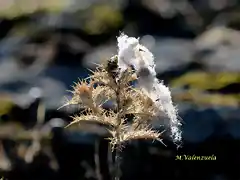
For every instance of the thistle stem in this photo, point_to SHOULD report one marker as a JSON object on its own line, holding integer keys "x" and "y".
{"x": 117, "y": 163}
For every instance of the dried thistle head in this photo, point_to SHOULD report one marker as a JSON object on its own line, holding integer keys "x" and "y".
{"x": 112, "y": 67}
{"x": 111, "y": 81}
{"x": 83, "y": 89}
{"x": 82, "y": 93}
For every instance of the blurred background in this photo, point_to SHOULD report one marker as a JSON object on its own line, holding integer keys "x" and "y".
{"x": 45, "y": 45}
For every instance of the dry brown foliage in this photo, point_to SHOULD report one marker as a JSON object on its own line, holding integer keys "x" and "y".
{"x": 105, "y": 84}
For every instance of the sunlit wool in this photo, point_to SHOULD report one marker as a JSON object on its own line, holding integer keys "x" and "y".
{"x": 132, "y": 53}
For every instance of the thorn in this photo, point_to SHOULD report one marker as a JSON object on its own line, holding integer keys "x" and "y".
{"x": 90, "y": 70}
{"x": 96, "y": 64}
{"x": 178, "y": 145}
{"x": 75, "y": 83}
{"x": 160, "y": 140}
{"x": 67, "y": 126}
{"x": 163, "y": 131}
{"x": 181, "y": 120}
{"x": 89, "y": 77}
{"x": 70, "y": 91}
{"x": 67, "y": 104}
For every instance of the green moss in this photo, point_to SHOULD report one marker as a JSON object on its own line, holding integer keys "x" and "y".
{"x": 102, "y": 18}
{"x": 203, "y": 80}
{"x": 23, "y": 7}
{"x": 208, "y": 99}
{"x": 5, "y": 105}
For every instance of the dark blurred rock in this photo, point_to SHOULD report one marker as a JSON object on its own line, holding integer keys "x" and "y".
{"x": 233, "y": 88}
{"x": 199, "y": 125}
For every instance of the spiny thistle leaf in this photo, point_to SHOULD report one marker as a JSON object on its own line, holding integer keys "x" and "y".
{"x": 107, "y": 118}
{"x": 102, "y": 93}
{"x": 140, "y": 134}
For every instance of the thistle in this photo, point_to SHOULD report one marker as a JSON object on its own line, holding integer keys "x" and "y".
{"x": 111, "y": 81}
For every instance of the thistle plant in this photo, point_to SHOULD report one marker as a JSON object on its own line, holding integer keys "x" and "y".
{"x": 112, "y": 81}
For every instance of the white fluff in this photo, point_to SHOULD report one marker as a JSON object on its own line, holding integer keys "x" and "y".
{"x": 126, "y": 51}
{"x": 130, "y": 52}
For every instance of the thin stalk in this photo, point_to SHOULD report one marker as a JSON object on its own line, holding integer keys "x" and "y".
{"x": 97, "y": 161}
{"x": 117, "y": 163}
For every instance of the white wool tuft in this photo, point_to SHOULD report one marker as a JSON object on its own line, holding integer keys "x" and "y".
{"x": 130, "y": 52}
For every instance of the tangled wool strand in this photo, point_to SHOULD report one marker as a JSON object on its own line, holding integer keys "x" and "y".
{"x": 132, "y": 53}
